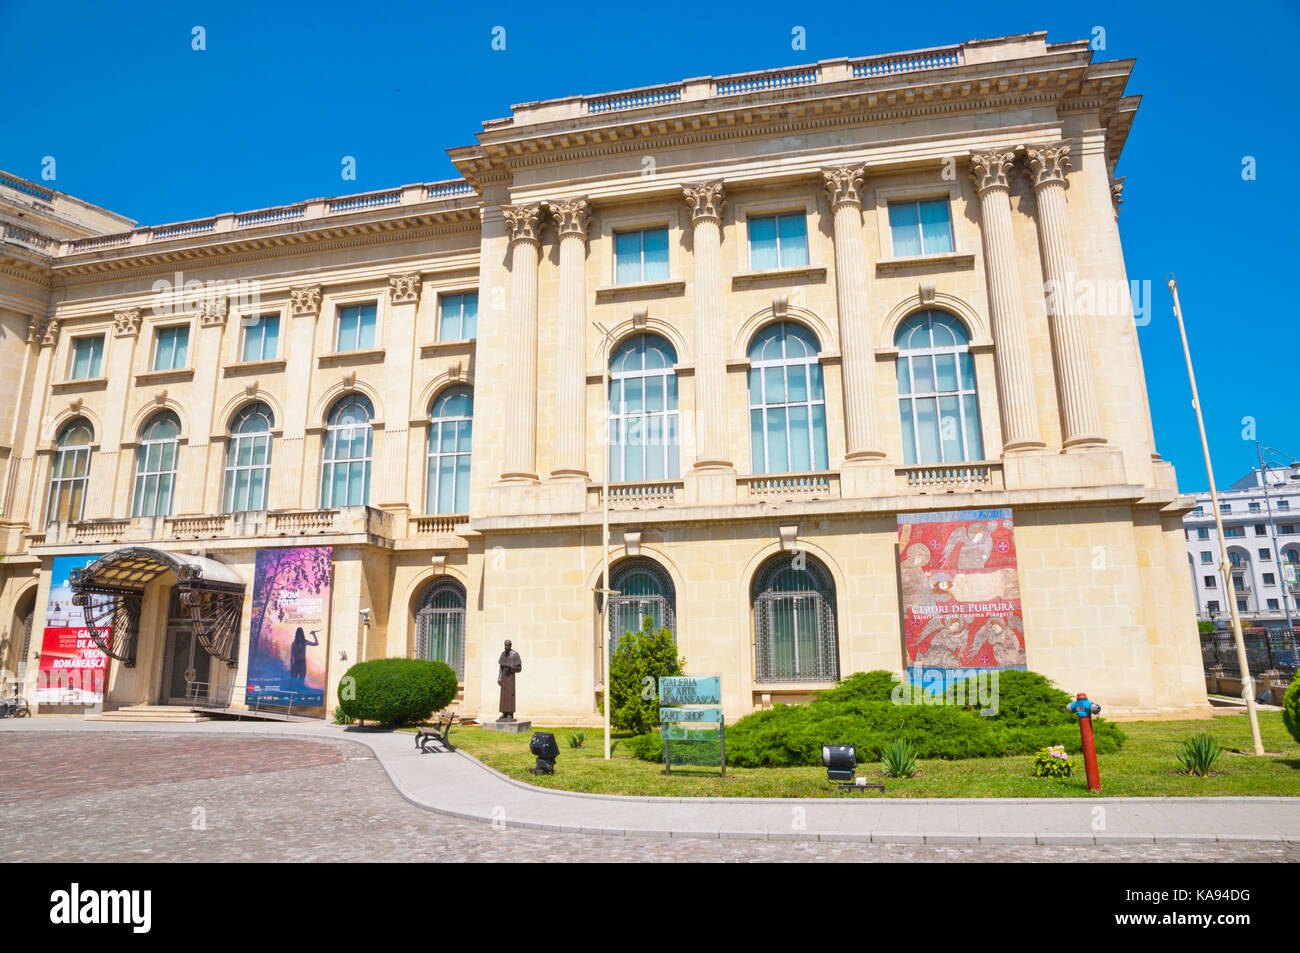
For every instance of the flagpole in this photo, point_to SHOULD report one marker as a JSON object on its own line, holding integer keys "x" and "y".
{"x": 1247, "y": 683}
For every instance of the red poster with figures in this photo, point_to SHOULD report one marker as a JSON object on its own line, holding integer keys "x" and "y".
{"x": 961, "y": 593}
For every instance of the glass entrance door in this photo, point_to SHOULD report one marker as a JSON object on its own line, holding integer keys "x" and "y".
{"x": 186, "y": 661}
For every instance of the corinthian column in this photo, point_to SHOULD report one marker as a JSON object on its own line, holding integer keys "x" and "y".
{"x": 706, "y": 200}
{"x": 1075, "y": 380}
{"x": 861, "y": 421}
{"x": 524, "y": 224}
{"x": 571, "y": 220}
{"x": 1015, "y": 374}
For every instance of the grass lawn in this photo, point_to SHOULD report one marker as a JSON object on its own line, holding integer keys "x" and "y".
{"x": 1147, "y": 766}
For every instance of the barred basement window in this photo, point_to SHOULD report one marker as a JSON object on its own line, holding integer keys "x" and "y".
{"x": 644, "y": 590}
{"x": 794, "y": 622}
{"x": 440, "y": 625}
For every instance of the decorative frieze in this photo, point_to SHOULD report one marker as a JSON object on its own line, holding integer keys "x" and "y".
{"x": 405, "y": 289}
{"x": 305, "y": 302}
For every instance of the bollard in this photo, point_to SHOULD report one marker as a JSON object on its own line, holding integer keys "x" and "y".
{"x": 1085, "y": 709}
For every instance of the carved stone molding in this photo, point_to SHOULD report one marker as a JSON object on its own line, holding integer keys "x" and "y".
{"x": 991, "y": 170}
{"x": 305, "y": 302}
{"x": 844, "y": 185}
{"x": 572, "y": 217}
{"x": 706, "y": 201}
{"x": 524, "y": 222}
{"x": 1047, "y": 164}
{"x": 405, "y": 289}
{"x": 1117, "y": 192}
{"x": 126, "y": 324}
{"x": 35, "y": 330}
{"x": 50, "y": 335}
{"x": 212, "y": 314}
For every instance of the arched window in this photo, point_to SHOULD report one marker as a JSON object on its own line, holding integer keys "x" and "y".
{"x": 643, "y": 419}
{"x": 248, "y": 460}
{"x": 644, "y": 589}
{"x": 936, "y": 390}
{"x": 787, "y": 406}
{"x": 451, "y": 421}
{"x": 155, "y": 466}
{"x": 345, "y": 475}
{"x": 70, "y": 472}
{"x": 440, "y": 625}
{"x": 1237, "y": 560}
{"x": 794, "y": 621}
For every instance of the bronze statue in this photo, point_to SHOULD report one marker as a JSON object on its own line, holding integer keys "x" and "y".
{"x": 508, "y": 666}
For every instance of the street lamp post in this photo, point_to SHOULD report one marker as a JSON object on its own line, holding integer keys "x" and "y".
{"x": 605, "y": 591}
{"x": 1247, "y": 683}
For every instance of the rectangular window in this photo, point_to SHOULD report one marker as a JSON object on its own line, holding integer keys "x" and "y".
{"x": 1211, "y": 582}
{"x": 1212, "y": 605}
{"x": 1288, "y": 529}
{"x": 1284, "y": 505}
{"x": 1254, "y": 507}
{"x": 1241, "y": 605}
{"x": 1202, "y": 532}
{"x": 1199, "y": 511}
{"x": 262, "y": 339}
{"x": 356, "y": 328}
{"x": 641, "y": 255}
{"x": 1207, "y": 557}
{"x": 1234, "y": 532}
{"x": 171, "y": 348}
{"x": 87, "y": 355}
{"x": 1270, "y": 579}
{"x": 920, "y": 228}
{"x": 1260, "y": 530}
{"x": 1265, "y": 556}
{"x": 1273, "y": 605}
{"x": 458, "y": 316}
{"x": 778, "y": 241}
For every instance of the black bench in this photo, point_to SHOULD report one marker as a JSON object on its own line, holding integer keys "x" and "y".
{"x": 440, "y": 734}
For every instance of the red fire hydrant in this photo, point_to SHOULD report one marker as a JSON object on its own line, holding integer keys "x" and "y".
{"x": 1085, "y": 710}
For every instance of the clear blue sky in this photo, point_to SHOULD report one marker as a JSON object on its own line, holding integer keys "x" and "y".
{"x": 140, "y": 123}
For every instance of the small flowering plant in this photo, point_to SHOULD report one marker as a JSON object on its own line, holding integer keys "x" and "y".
{"x": 1053, "y": 762}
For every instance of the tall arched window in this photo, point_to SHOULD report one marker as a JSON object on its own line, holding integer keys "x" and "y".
{"x": 644, "y": 589}
{"x": 248, "y": 460}
{"x": 794, "y": 621}
{"x": 643, "y": 419}
{"x": 787, "y": 406}
{"x": 155, "y": 466}
{"x": 451, "y": 422}
{"x": 70, "y": 472}
{"x": 440, "y": 625}
{"x": 345, "y": 474}
{"x": 936, "y": 390}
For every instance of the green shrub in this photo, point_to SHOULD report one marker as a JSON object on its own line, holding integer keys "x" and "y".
{"x": 1291, "y": 709}
{"x": 396, "y": 691}
{"x": 340, "y": 717}
{"x": 577, "y": 739}
{"x": 643, "y": 655}
{"x": 1030, "y": 715}
{"x": 898, "y": 759}
{"x": 650, "y": 747}
{"x": 1199, "y": 754}
{"x": 1052, "y": 762}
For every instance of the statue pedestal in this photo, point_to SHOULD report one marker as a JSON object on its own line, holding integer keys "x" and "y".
{"x": 513, "y": 727}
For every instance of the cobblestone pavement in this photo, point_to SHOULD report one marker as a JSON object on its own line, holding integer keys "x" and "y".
{"x": 251, "y": 799}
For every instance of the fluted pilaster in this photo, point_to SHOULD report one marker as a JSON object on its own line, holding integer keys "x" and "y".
{"x": 706, "y": 202}
{"x": 861, "y": 416}
{"x": 1076, "y": 383}
{"x": 525, "y": 225}
{"x": 571, "y": 220}
{"x": 1016, "y": 399}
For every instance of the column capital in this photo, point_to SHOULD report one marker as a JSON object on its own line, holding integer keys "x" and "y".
{"x": 991, "y": 170}
{"x": 1117, "y": 193}
{"x": 572, "y": 216}
{"x": 524, "y": 222}
{"x": 405, "y": 289}
{"x": 305, "y": 301}
{"x": 48, "y": 333}
{"x": 706, "y": 200}
{"x": 126, "y": 324}
{"x": 1047, "y": 163}
{"x": 844, "y": 185}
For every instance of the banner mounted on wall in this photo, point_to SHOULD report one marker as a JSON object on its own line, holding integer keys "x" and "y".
{"x": 961, "y": 594}
{"x": 288, "y": 632}
{"x": 73, "y": 668}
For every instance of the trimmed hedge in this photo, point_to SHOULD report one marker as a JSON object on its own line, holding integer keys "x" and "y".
{"x": 1031, "y": 714}
{"x": 1291, "y": 708}
{"x": 396, "y": 691}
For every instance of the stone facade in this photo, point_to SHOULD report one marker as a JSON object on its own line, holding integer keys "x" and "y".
{"x": 1018, "y": 137}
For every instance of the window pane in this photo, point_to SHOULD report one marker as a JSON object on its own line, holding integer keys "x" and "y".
{"x": 632, "y": 394}
{"x": 348, "y": 321}
{"x": 634, "y": 454}
{"x": 162, "y": 356}
{"x": 627, "y": 257}
{"x": 778, "y": 454}
{"x": 756, "y": 459}
{"x": 909, "y": 431}
{"x": 923, "y": 374}
{"x": 904, "y": 378}
{"x": 904, "y": 227}
{"x": 762, "y": 243}
{"x": 800, "y": 440}
{"x": 656, "y": 254}
{"x": 815, "y": 375}
{"x": 774, "y": 385}
{"x": 447, "y": 485}
{"x": 366, "y": 339}
{"x": 469, "y": 317}
{"x": 967, "y": 370}
{"x": 945, "y": 368}
{"x": 462, "y": 485}
{"x": 179, "y": 355}
{"x": 974, "y": 439}
{"x": 270, "y": 337}
{"x": 797, "y": 381}
{"x": 927, "y": 426}
{"x": 819, "y": 436}
{"x": 950, "y": 428}
{"x": 654, "y": 394}
{"x": 794, "y": 240}
{"x": 936, "y": 229}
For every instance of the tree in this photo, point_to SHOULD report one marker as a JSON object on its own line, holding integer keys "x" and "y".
{"x": 642, "y": 658}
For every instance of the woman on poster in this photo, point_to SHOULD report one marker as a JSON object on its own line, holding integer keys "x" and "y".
{"x": 298, "y": 654}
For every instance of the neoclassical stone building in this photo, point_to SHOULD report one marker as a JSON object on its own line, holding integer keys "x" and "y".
{"x": 823, "y": 297}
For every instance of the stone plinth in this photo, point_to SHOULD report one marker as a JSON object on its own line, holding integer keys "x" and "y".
{"x": 510, "y": 727}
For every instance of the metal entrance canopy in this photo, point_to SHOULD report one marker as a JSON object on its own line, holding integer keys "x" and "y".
{"x": 111, "y": 589}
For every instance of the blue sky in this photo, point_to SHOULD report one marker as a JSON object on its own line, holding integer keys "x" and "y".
{"x": 142, "y": 124}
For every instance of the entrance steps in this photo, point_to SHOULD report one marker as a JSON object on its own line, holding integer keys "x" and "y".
{"x": 172, "y": 714}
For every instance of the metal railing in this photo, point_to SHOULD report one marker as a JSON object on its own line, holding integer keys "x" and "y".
{"x": 1267, "y": 650}
{"x": 217, "y": 696}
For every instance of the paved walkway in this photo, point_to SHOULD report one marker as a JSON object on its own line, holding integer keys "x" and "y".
{"x": 460, "y": 786}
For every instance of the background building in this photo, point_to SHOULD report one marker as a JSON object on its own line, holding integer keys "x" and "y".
{"x": 834, "y": 294}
